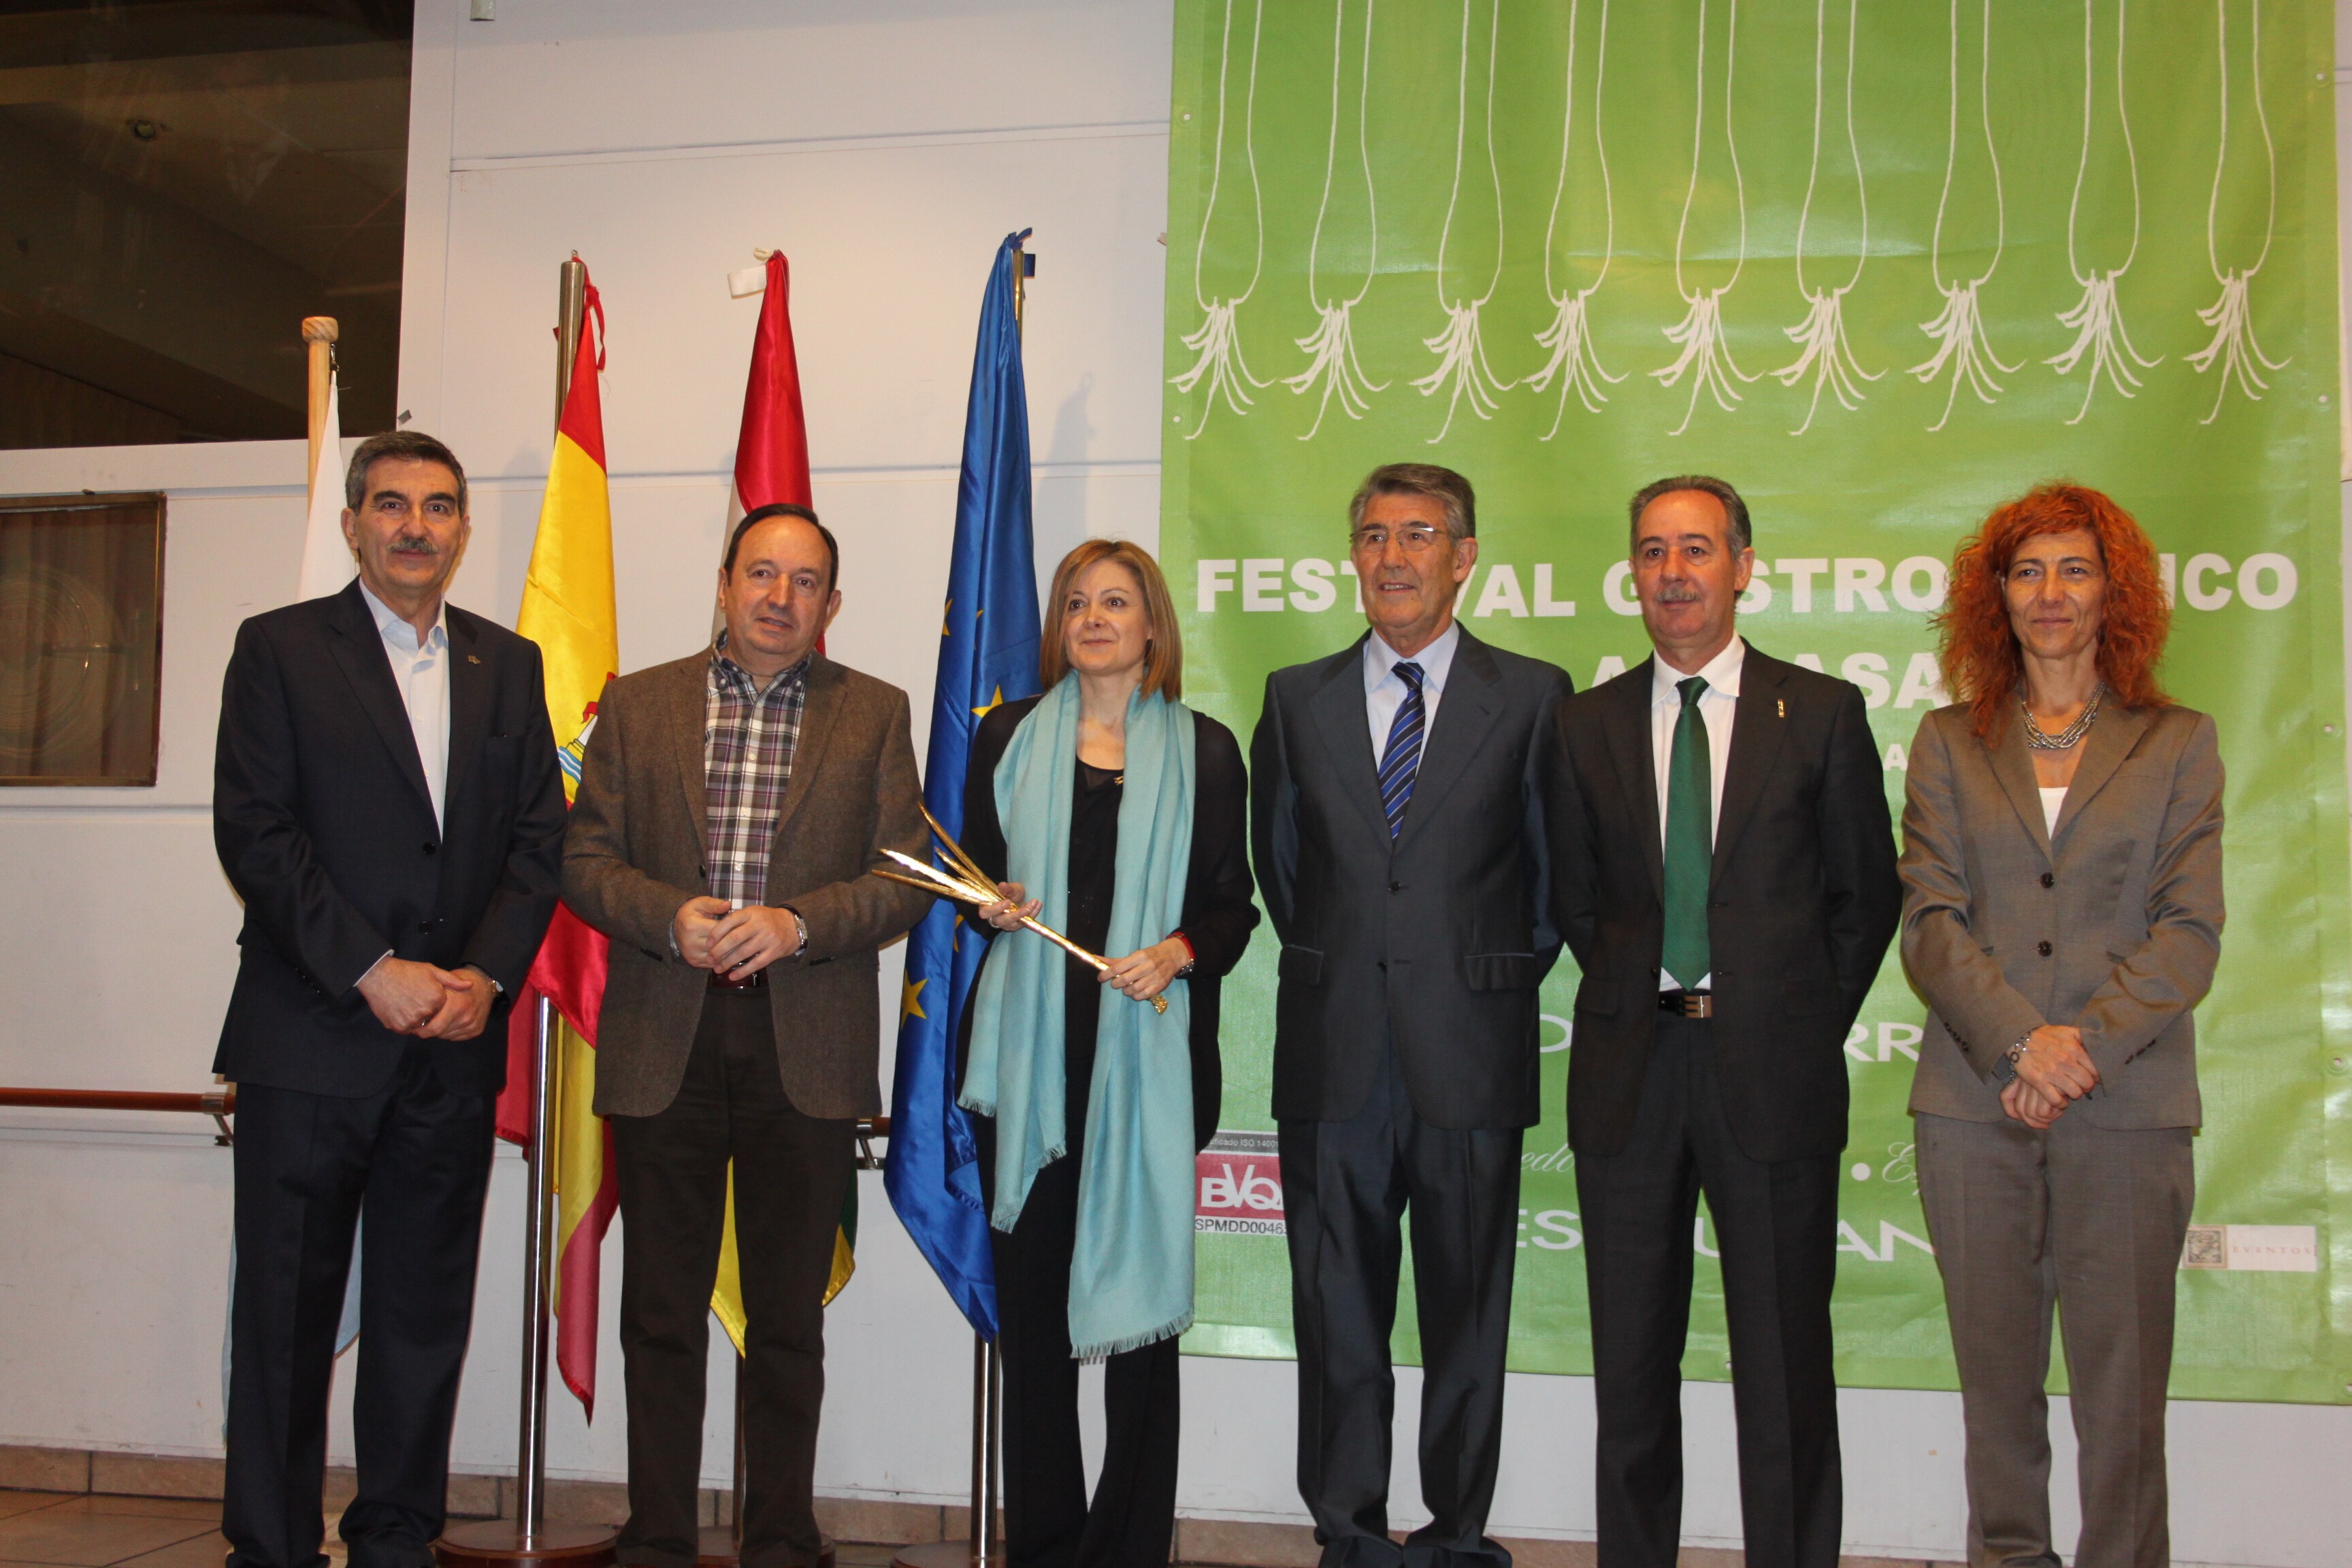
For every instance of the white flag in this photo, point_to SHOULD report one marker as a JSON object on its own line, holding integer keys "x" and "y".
{"x": 326, "y": 563}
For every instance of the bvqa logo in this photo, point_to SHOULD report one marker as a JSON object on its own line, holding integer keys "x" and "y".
{"x": 1240, "y": 1185}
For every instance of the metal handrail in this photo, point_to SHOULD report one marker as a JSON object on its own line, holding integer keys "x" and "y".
{"x": 221, "y": 1104}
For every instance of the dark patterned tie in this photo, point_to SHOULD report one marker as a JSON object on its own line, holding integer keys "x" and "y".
{"x": 1401, "y": 762}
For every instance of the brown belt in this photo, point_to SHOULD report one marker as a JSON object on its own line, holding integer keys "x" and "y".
{"x": 755, "y": 981}
{"x": 1687, "y": 1003}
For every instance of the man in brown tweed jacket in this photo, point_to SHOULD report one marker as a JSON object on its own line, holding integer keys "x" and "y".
{"x": 731, "y": 808}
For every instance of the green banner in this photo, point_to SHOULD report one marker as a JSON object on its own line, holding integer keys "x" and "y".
{"x": 1881, "y": 266}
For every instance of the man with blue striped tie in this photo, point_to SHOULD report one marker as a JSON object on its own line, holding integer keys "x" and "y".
{"x": 1403, "y": 795}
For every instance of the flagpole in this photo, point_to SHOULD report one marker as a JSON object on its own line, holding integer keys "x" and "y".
{"x": 527, "y": 1542}
{"x": 530, "y": 1446}
{"x": 982, "y": 1548}
{"x": 571, "y": 305}
{"x": 318, "y": 335}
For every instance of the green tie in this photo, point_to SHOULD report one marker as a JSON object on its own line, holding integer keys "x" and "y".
{"x": 1690, "y": 841}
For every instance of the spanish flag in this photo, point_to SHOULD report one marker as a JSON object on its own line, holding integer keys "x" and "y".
{"x": 567, "y": 610}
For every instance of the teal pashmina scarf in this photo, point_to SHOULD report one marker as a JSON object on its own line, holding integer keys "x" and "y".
{"x": 1131, "y": 1274}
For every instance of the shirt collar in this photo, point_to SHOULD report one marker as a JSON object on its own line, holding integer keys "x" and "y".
{"x": 725, "y": 667}
{"x": 397, "y": 631}
{"x": 1721, "y": 674}
{"x": 1435, "y": 660}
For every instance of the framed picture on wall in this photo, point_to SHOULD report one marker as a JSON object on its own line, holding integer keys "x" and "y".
{"x": 81, "y": 638}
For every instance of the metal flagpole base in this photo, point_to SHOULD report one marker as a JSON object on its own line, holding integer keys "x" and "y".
{"x": 934, "y": 1555}
{"x": 500, "y": 1544}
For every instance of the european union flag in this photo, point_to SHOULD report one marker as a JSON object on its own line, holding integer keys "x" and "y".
{"x": 988, "y": 655}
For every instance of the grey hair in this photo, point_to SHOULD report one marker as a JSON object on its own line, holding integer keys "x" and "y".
{"x": 1734, "y": 509}
{"x": 1445, "y": 487}
{"x": 400, "y": 446}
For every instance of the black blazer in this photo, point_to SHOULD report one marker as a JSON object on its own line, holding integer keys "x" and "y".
{"x": 323, "y": 825}
{"x": 1431, "y": 945}
{"x": 1802, "y": 904}
{"x": 1218, "y": 913}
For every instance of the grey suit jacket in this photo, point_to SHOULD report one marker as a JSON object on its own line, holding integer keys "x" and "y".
{"x": 2112, "y": 924}
{"x": 1431, "y": 944}
{"x": 634, "y": 852}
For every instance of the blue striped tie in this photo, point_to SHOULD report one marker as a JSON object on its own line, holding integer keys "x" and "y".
{"x": 1401, "y": 762}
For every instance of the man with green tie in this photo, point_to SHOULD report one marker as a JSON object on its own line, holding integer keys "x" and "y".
{"x": 1725, "y": 876}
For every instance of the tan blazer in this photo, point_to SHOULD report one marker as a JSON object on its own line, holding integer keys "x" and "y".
{"x": 2112, "y": 924}
{"x": 634, "y": 852}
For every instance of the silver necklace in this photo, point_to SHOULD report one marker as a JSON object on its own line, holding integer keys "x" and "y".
{"x": 2070, "y": 737}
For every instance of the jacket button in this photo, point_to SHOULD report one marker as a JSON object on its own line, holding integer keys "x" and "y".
{"x": 2043, "y": 948}
{"x": 1396, "y": 886}
{"x": 424, "y": 928}
{"x": 430, "y": 847}
{"x": 2048, "y": 880}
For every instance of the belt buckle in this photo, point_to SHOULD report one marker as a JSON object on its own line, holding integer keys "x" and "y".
{"x": 1687, "y": 1003}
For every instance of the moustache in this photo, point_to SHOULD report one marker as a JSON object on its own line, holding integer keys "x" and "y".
{"x": 414, "y": 547}
{"x": 1679, "y": 593}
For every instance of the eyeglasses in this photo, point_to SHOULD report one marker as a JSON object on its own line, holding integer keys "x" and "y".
{"x": 1415, "y": 540}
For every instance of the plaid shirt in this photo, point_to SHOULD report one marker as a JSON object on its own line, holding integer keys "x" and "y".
{"x": 749, "y": 736}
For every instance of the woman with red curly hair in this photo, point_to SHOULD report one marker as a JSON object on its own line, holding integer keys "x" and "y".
{"x": 2062, "y": 916}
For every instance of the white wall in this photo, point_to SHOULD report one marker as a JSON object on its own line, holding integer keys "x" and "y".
{"x": 886, "y": 147}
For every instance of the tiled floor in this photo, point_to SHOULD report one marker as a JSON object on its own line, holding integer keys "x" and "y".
{"x": 58, "y": 1529}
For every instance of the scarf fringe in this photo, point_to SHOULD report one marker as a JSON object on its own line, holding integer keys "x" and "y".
{"x": 1091, "y": 1355}
{"x": 1059, "y": 1151}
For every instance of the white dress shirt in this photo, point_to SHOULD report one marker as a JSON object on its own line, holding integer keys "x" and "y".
{"x": 1718, "y": 706}
{"x": 1384, "y": 690}
{"x": 420, "y": 671}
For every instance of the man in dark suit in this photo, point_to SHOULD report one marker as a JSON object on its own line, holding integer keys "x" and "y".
{"x": 1401, "y": 795}
{"x": 733, "y": 809}
{"x": 1726, "y": 877}
{"x": 385, "y": 801}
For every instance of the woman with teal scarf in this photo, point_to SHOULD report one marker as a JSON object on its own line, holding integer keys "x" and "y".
{"x": 1124, "y": 811}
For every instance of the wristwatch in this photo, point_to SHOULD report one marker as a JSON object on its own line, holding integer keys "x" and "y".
{"x": 2004, "y": 1071}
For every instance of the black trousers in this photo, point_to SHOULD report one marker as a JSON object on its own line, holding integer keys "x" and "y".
{"x": 419, "y": 1157}
{"x": 792, "y": 1173}
{"x": 1775, "y": 1228}
{"x": 1346, "y": 1186}
{"x": 1048, "y": 1522}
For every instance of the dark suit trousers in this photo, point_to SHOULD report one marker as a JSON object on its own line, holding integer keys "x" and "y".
{"x": 1775, "y": 1228}
{"x": 1346, "y": 1186}
{"x": 1048, "y": 1522}
{"x": 792, "y": 1173}
{"x": 419, "y": 1157}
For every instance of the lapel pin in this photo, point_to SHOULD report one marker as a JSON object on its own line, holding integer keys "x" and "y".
{"x": 1782, "y": 704}
{"x": 476, "y": 659}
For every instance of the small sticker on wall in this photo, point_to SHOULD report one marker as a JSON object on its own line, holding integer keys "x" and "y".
{"x": 2252, "y": 1248}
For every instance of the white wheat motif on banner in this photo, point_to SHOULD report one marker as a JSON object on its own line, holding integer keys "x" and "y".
{"x": 1463, "y": 373}
{"x": 1569, "y": 336}
{"x": 1705, "y": 356}
{"x": 1821, "y": 334}
{"x": 1218, "y": 338}
{"x": 1961, "y": 345}
{"x": 1331, "y": 346}
{"x": 2097, "y": 317}
{"x": 2231, "y": 316}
